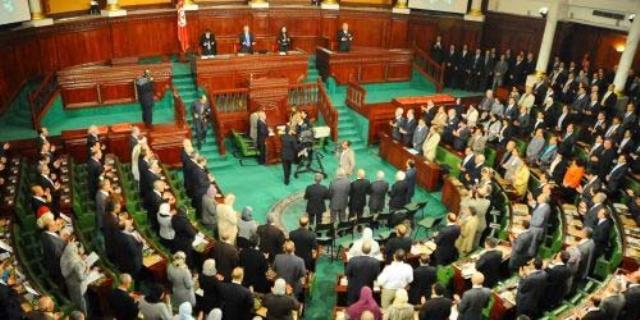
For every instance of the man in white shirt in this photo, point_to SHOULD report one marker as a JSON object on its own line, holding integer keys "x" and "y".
{"x": 397, "y": 275}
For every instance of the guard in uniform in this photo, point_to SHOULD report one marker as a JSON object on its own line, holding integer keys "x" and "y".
{"x": 144, "y": 84}
{"x": 200, "y": 112}
{"x": 344, "y": 38}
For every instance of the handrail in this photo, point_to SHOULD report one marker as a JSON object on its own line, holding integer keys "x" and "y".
{"x": 356, "y": 96}
{"x": 230, "y": 100}
{"x": 303, "y": 94}
{"x": 329, "y": 113}
{"x": 179, "y": 109}
{"x": 217, "y": 126}
{"x": 429, "y": 68}
{"x": 40, "y": 100}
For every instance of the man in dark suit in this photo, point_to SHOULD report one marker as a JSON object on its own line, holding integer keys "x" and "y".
{"x": 400, "y": 241}
{"x": 424, "y": 277}
{"x": 144, "y": 85}
{"x": 531, "y": 290}
{"x": 289, "y": 153}
{"x": 603, "y": 161}
{"x": 42, "y": 139}
{"x": 262, "y": 133}
{"x": 94, "y": 170}
{"x": 616, "y": 176}
{"x": 490, "y": 263}
{"x": 52, "y": 247}
{"x": 399, "y": 193}
{"x": 225, "y": 255}
{"x": 558, "y": 275}
{"x": 408, "y": 128}
{"x": 450, "y": 67}
{"x": 129, "y": 255}
{"x": 520, "y": 248}
{"x": 152, "y": 203}
{"x": 255, "y": 265}
{"x": 631, "y": 310}
{"x": 103, "y": 197}
{"x": 237, "y": 301}
{"x": 438, "y": 307}
{"x": 377, "y": 193}
{"x": 568, "y": 141}
{"x": 123, "y": 306}
{"x": 208, "y": 46}
{"x": 51, "y": 187}
{"x": 592, "y": 185}
{"x": 361, "y": 271}
{"x": 344, "y": 38}
{"x": 247, "y": 40}
{"x": 358, "y": 195}
{"x": 474, "y": 300}
{"x": 601, "y": 232}
{"x": 201, "y": 183}
{"x": 410, "y": 178}
{"x": 134, "y": 138}
{"x": 305, "y": 243}
{"x": 316, "y": 196}
{"x": 185, "y": 233}
{"x": 271, "y": 238}
{"x": 437, "y": 51}
{"x": 290, "y": 267}
{"x": 446, "y": 251}
{"x": 92, "y": 139}
{"x": 200, "y": 112}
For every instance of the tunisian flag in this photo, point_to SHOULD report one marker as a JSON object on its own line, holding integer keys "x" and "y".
{"x": 183, "y": 32}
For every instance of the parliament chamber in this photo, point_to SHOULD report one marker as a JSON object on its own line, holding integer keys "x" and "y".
{"x": 324, "y": 159}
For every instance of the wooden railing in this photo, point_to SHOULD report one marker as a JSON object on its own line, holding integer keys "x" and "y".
{"x": 41, "y": 99}
{"x": 231, "y": 100}
{"x": 329, "y": 113}
{"x": 217, "y": 126}
{"x": 356, "y": 95}
{"x": 180, "y": 111}
{"x": 429, "y": 68}
{"x": 302, "y": 95}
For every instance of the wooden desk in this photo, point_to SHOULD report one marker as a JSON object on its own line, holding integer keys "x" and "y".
{"x": 427, "y": 172}
{"x": 103, "y": 85}
{"x": 365, "y": 64}
{"x": 230, "y": 71}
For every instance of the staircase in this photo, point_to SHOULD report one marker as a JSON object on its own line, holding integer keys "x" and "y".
{"x": 347, "y": 128}
{"x": 16, "y": 120}
{"x": 184, "y": 82}
{"x": 312, "y": 72}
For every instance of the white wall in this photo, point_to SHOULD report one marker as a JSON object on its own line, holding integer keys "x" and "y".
{"x": 580, "y": 11}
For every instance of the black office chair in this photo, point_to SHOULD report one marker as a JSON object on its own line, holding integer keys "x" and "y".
{"x": 345, "y": 227}
{"x": 380, "y": 218}
{"x": 415, "y": 207}
{"x": 326, "y": 236}
{"x": 364, "y": 222}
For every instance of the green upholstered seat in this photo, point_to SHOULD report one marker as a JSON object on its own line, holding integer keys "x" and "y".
{"x": 444, "y": 274}
{"x": 244, "y": 145}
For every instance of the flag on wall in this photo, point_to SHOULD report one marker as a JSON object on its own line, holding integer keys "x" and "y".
{"x": 183, "y": 32}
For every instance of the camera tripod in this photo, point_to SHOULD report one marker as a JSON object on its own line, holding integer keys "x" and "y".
{"x": 306, "y": 164}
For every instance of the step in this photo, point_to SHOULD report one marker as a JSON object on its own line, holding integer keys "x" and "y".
{"x": 183, "y": 80}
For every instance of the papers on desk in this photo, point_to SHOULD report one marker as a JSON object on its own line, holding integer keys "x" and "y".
{"x": 200, "y": 292}
{"x": 412, "y": 151}
{"x": 66, "y": 218}
{"x": 468, "y": 269}
{"x": 4, "y": 246}
{"x": 509, "y": 296}
{"x": 454, "y": 312}
{"x": 30, "y": 290}
{"x": 91, "y": 259}
{"x": 94, "y": 276}
{"x": 199, "y": 240}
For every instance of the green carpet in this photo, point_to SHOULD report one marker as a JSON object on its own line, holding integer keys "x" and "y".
{"x": 58, "y": 118}
{"x": 16, "y": 121}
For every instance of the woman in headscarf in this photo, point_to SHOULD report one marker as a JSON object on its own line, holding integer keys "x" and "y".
{"x": 366, "y": 302}
{"x": 228, "y": 218}
{"x": 75, "y": 271}
{"x": 210, "y": 286}
{"x": 182, "y": 283}
{"x": 279, "y": 305}
{"x": 167, "y": 234}
{"x": 135, "y": 158}
{"x": 152, "y": 305}
{"x": 247, "y": 228}
{"x": 400, "y": 309}
{"x": 184, "y": 312}
{"x": 356, "y": 248}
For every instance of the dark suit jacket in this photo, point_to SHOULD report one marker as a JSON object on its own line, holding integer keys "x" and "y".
{"x": 91, "y": 141}
{"x": 201, "y": 182}
{"x": 316, "y": 196}
{"x": 605, "y": 161}
{"x": 185, "y": 233}
{"x": 122, "y": 305}
{"x": 244, "y": 48}
{"x": 423, "y": 279}
{"x": 255, "y": 266}
{"x": 289, "y": 148}
{"x": 152, "y": 202}
{"x": 616, "y": 176}
{"x": 446, "y": 251}
{"x": 344, "y": 45}
{"x": 472, "y": 303}
{"x": 210, "y": 285}
{"x": 262, "y": 132}
{"x": 558, "y": 173}
{"x": 394, "y": 244}
{"x": 129, "y": 254}
{"x": 237, "y": 301}
{"x": 361, "y": 271}
{"x": 489, "y": 264}
{"x": 566, "y": 146}
{"x": 438, "y": 308}
{"x": 226, "y": 257}
{"x": 409, "y": 127}
{"x": 399, "y": 195}
{"x": 410, "y": 179}
{"x": 601, "y": 237}
{"x": 377, "y": 194}
{"x": 557, "y": 277}
{"x": 52, "y": 248}
{"x": 358, "y": 194}
{"x": 305, "y": 241}
{"x": 94, "y": 170}
{"x": 10, "y": 304}
{"x": 530, "y": 292}
{"x": 271, "y": 240}
{"x": 631, "y": 310}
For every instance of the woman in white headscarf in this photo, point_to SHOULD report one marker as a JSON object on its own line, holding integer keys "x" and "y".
{"x": 135, "y": 156}
{"x": 184, "y": 312}
{"x": 167, "y": 234}
{"x": 215, "y": 314}
{"x": 182, "y": 283}
{"x": 75, "y": 271}
{"x": 356, "y": 248}
{"x": 228, "y": 218}
{"x": 210, "y": 285}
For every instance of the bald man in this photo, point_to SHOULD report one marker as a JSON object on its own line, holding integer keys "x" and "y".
{"x": 474, "y": 300}
{"x": 305, "y": 243}
{"x": 123, "y": 306}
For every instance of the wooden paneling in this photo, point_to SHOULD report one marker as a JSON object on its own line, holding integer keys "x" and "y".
{"x": 365, "y": 65}
{"x": 504, "y": 31}
{"x": 398, "y": 32}
{"x": 143, "y": 36}
{"x": 425, "y": 27}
